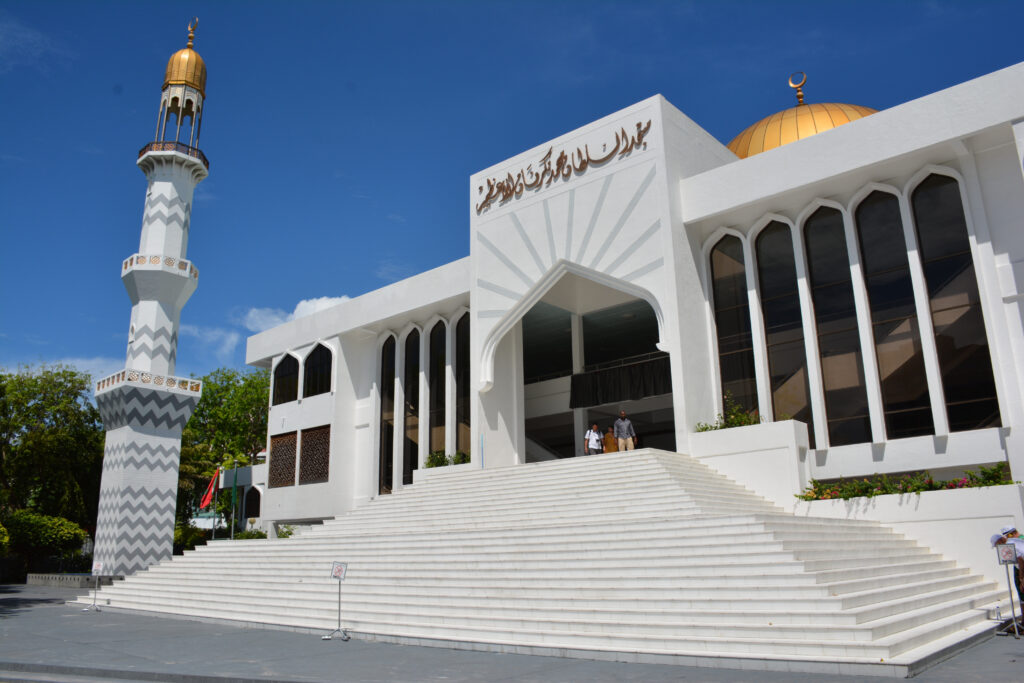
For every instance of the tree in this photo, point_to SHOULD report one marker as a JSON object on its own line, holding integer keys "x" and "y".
{"x": 229, "y": 426}
{"x": 51, "y": 443}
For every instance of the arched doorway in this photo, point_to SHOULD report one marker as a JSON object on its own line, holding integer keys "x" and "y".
{"x": 581, "y": 353}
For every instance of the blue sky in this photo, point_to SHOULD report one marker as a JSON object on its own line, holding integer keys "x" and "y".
{"x": 341, "y": 135}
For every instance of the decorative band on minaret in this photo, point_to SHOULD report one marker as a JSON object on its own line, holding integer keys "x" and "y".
{"x": 145, "y": 407}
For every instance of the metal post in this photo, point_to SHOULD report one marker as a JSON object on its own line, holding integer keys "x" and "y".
{"x": 1013, "y": 612}
{"x": 95, "y": 590}
{"x": 216, "y": 494}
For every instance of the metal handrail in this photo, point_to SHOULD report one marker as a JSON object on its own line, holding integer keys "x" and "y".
{"x": 164, "y": 146}
{"x": 630, "y": 360}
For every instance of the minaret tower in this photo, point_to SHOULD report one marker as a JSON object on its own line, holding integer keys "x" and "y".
{"x": 145, "y": 407}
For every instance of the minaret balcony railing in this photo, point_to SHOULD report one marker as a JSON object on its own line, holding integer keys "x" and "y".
{"x": 172, "y": 146}
{"x": 128, "y": 375}
{"x": 184, "y": 267}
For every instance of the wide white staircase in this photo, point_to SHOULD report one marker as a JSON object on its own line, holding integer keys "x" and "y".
{"x": 641, "y": 556}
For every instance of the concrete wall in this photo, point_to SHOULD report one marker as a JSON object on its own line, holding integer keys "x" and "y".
{"x": 770, "y": 459}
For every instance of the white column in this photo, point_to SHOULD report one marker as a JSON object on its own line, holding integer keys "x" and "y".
{"x": 872, "y": 381}
{"x": 424, "y": 421}
{"x": 924, "y": 321}
{"x": 815, "y": 385}
{"x": 579, "y": 416}
{"x": 760, "y": 347}
{"x": 449, "y": 387}
{"x": 397, "y": 451}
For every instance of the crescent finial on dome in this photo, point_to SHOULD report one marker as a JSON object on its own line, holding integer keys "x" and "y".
{"x": 192, "y": 26}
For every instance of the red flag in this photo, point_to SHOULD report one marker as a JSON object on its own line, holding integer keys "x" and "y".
{"x": 208, "y": 496}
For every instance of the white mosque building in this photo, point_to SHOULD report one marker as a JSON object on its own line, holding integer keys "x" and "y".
{"x": 853, "y": 276}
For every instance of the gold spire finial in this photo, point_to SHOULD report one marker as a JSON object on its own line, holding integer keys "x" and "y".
{"x": 798, "y": 86}
{"x": 192, "y": 25}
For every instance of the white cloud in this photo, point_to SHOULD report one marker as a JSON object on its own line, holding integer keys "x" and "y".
{"x": 259, "y": 319}
{"x": 21, "y": 45}
{"x": 222, "y": 343}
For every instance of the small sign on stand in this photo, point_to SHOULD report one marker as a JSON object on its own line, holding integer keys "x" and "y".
{"x": 1007, "y": 554}
{"x": 97, "y": 571}
{"x": 338, "y": 571}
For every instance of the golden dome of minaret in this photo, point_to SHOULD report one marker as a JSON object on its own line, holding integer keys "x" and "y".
{"x": 186, "y": 66}
{"x": 797, "y": 123}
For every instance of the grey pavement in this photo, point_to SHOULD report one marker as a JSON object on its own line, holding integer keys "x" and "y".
{"x": 44, "y": 639}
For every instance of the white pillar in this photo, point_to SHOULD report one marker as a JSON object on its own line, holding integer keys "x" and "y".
{"x": 924, "y": 321}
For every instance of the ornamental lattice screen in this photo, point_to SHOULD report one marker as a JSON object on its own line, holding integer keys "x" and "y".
{"x": 316, "y": 455}
{"x": 282, "y": 460}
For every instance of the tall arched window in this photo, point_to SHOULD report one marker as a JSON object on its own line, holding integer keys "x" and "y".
{"x": 286, "y": 380}
{"x": 964, "y": 361}
{"x": 411, "y": 426}
{"x": 316, "y": 375}
{"x": 883, "y": 256}
{"x": 784, "y": 332}
{"x": 387, "y": 415}
{"x": 436, "y": 364}
{"x": 732, "y": 322}
{"x": 462, "y": 425}
{"x": 835, "y": 318}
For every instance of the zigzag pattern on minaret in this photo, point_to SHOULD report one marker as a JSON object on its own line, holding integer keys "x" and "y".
{"x": 166, "y": 219}
{"x": 158, "y": 334}
{"x": 151, "y": 343}
{"x": 170, "y": 203}
{"x": 141, "y": 350}
{"x": 143, "y": 456}
{"x": 142, "y": 501}
{"x": 145, "y": 407}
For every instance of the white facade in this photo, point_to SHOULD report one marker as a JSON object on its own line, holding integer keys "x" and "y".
{"x": 627, "y": 211}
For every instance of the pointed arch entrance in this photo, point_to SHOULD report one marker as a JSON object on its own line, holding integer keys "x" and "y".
{"x": 577, "y": 349}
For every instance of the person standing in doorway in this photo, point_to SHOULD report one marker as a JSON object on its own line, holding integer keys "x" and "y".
{"x": 592, "y": 440}
{"x": 610, "y": 443}
{"x": 624, "y": 432}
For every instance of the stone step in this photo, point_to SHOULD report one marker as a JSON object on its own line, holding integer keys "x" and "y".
{"x": 645, "y": 552}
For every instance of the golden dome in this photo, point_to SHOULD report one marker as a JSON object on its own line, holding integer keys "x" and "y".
{"x": 797, "y": 123}
{"x": 186, "y": 66}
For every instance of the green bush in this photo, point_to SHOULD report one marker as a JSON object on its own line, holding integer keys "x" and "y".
{"x": 437, "y": 459}
{"x": 882, "y": 484}
{"x": 188, "y": 537}
{"x": 5, "y": 540}
{"x": 250, "y": 533}
{"x": 733, "y": 415}
{"x": 33, "y": 535}
{"x": 440, "y": 459}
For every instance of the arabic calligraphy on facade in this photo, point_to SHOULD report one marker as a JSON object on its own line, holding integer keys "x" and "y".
{"x": 552, "y": 167}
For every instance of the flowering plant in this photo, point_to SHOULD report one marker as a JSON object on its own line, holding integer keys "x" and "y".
{"x": 914, "y": 482}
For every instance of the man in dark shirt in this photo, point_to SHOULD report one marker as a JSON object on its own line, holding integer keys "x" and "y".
{"x": 624, "y": 432}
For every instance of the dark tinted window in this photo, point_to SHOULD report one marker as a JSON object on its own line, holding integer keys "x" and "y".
{"x": 462, "y": 422}
{"x": 960, "y": 338}
{"x": 411, "y": 427}
{"x": 784, "y": 335}
{"x": 732, "y": 322}
{"x": 386, "y": 388}
{"x": 286, "y": 380}
{"x": 547, "y": 343}
{"x": 619, "y": 333}
{"x": 436, "y": 375}
{"x": 883, "y": 256}
{"x": 835, "y": 317}
{"x": 316, "y": 375}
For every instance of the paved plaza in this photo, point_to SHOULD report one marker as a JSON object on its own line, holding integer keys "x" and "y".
{"x": 44, "y": 639}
